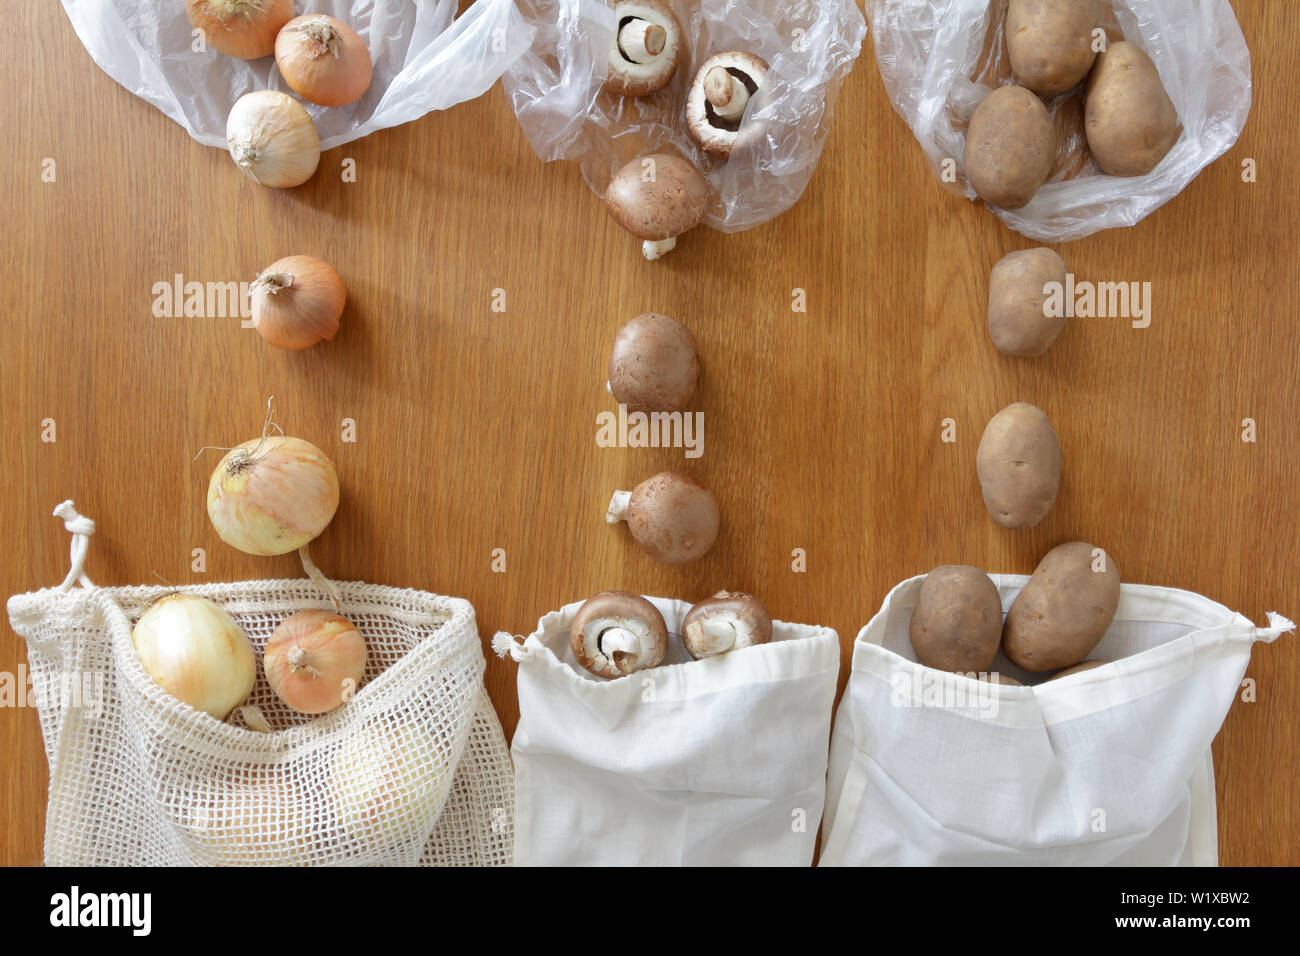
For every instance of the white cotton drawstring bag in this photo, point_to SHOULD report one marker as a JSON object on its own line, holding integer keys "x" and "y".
{"x": 412, "y": 769}
{"x": 1109, "y": 766}
{"x": 719, "y": 761}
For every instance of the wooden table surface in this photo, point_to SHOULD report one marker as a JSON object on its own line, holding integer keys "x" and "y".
{"x": 475, "y": 429}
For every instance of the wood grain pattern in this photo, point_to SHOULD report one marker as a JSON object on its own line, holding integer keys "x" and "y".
{"x": 476, "y": 430}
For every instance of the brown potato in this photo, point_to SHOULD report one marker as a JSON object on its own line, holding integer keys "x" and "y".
{"x": 1010, "y": 147}
{"x": 1017, "y": 324}
{"x": 1019, "y": 465}
{"x": 1049, "y": 43}
{"x": 1062, "y": 612}
{"x": 957, "y": 623}
{"x": 1130, "y": 121}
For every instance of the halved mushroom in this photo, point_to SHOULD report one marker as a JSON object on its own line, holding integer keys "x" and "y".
{"x": 657, "y": 198}
{"x": 616, "y": 633}
{"x": 725, "y": 622}
{"x": 653, "y": 366}
{"x": 647, "y": 48}
{"x": 716, "y": 101}
{"x": 672, "y": 517}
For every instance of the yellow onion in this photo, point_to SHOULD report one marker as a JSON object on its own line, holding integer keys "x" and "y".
{"x": 297, "y": 302}
{"x": 242, "y": 28}
{"x": 272, "y": 495}
{"x": 196, "y": 652}
{"x": 323, "y": 60}
{"x": 265, "y": 822}
{"x": 388, "y": 784}
{"x": 315, "y": 661}
{"x": 271, "y": 138}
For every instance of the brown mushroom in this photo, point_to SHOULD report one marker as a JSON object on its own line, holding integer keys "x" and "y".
{"x": 616, "y": 633}
{"x": 715, "y": 104}
{"x": 1077, "y": 669}
{"x": 672, "y": 517}
{"x": 730, "y": 620}
{"x": 646, "y": 50}
{"x": 653, "y": 366}
{"x": 657, "y": 198}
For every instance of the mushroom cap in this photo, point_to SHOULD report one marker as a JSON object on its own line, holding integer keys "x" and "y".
{"x": 624, "y": 610}
{"x": 657, "y": 197}
{"x": 673, "y": 518}
{"x": 746, "y": 614}
{"x": 628, "y": 78}
{"x": 653, "y": 366}
{"x": 713, "y": 134}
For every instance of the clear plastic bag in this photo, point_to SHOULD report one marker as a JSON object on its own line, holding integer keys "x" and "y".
{"x": 810, "y": 45}
{"x": 939, "y": 60}
{"x": 423, "y": 61}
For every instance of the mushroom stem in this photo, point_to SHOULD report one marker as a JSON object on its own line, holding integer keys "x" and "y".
{"x": 621, "y": 646}
{"x": 641, "y": 41}
{"x": 617, "y": 510}
{"x": 711, "y": 636}
{"x": 654, "y": 249}
{"x": 725, "y": 93}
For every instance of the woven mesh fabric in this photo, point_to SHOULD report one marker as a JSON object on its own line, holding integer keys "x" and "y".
{"x": 414, "y": 769}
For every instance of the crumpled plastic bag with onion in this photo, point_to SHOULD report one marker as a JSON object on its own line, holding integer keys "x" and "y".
{"x": 939, "y": 60}
{"x": 809, "y": 45}
{"x": 423, "y": 60}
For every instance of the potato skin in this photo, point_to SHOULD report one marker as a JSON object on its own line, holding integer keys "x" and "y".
{"x": 957, "y": 623}
{"x": 1017, "y": 324}
{"x": 1010, "y": 147}
{"x": 1063, "y": 611}
{"x": 1019, "y": 465}
{"x": 1049, "y": 43}
{"x": 1130, "y": 122}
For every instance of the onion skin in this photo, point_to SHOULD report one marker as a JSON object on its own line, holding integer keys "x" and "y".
{"x": 240, "y": 28}
{"x": 271, "y": 138}
{"x": 388, "y": 785}
{"x": 297, "y": 302}
{"x": 315, "y": 661}
{"x": 331, "y": 72}
{"x": 196, "y": 652}
{"x": 264, "y": 822}
{"x": 272, "y": 495}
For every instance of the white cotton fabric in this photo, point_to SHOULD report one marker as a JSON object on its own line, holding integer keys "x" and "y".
{"x": 1110, "y": 766}
{"x": 423, "y": 60}
{"x": 714, "y": 762}
{"x": 139, "y": 778}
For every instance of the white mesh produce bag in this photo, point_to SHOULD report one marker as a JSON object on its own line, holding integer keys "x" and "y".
{"x": 720, "y": 761}
{"x": 940, "y": 58}
{"x": 413, "y": 769}
{"x": 423, "y": 60}
{"x": 1109, "y": 766}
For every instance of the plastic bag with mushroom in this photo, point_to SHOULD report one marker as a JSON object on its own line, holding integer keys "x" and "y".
{"x": 757, "y": 140}
{"x": 939, "y": 62}
{"x": 628, "y": 752}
